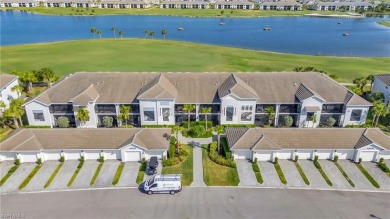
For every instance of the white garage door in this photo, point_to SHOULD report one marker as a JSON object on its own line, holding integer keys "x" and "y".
{"x": 112, "y": 155}
{"x": 52, "y": 155}
{"x": 264, "y": 155}
{"x": 29, "y": 157}
{"x": 8, "y": 155}
{"x": 72, "y": 155}
{"x": 345, "y": 154}
{"x": 133, "y": 156}
{"x": 368, "y": 155}
{"x": 324, "y": 154}
{"x": 92, "y": 155}
{"x": 304, "y": 155}
{"x": 242, "y": 154}
{"x": 284, "y": 155}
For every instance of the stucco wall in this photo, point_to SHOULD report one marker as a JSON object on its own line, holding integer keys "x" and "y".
{"x": 7, "y": 94}
{"x": 303, "y": 120}
{"x": 36, "y": 106}
{"x": 348, "y": 111}
{"x": 236, "y": 103}
{"x": 379, "y": 86}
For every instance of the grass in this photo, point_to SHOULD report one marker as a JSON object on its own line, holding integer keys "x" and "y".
{"x": 76, "y": 172}
{"x": 53, "y": 175}
{"x": 368, "y": 176}
{"x": 93, "y": 180}
{"x": 257, "y": 171}
{"x": 280, "y": 174}
{"x": 5, "y": 132}
{"x": 384, "y": 23}
{"x": 217, "y": 175}
{"x": 305, "y": 179}
{"x": 344, "y": 174}
{"x": 171, "y": 12}
{"x": 185, "y": 168}
{"x": 118, "y": 174}
{"x": 318, "y": 165}
{"x": 141, "y": 173}
{"x": 173, "y": 56}
{"x": 30, "y": 176}
{"x": 9, "y": 174}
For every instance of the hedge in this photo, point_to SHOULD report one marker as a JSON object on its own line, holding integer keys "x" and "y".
{"x": 181, "y": 157}
{"x": 37, "y": 126}
{"x": 317, "y": 164}
{"x": 302, "y": 173}
{"x": 76, "y": 172}
{"x": 196, "y": 123}
{"x": 29, "y": 177}
{"x": 98, "y": 169}
{"x": 280, "y": 173}
{"x": 172, "y": 147}
{"x": 240, "y": 126}
{"x": 53, "y": 175}
{"x": 256, "y": 169}
{"x": 226, "y": 152}
{"x": 368, "y": 176}
{"x": 141, "y": 172}
{"x": 9, "y": 174}
{"x": 118, "y": 174}
{"x": 214, "y": 156}
{"x": 344, "y": 174}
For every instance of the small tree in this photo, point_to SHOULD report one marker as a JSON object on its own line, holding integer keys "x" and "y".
{"x": 271, "y": 114}
{"x": 82, "y": 115}
{"x": 63, "y": 122}
{"x": 99, "y": 32}
{"x": 360, "y": 83}
{"x": 330, "y": 122}
{"x": 2, "y": 109}
{"x": 151, "y": 34}
{"x": 189, "y": 108}
{"x": 205, "y": 111}
{"x": 222, "y": 12}
{"x": 220, "y": 130}
{"x": 164, "y": 33}
{"x": 124, "y": 113}
{"x": 377, "y": 96}
{"x": 288, "y": 121}
{"x": 176, "y": 130}
{"x": 49, "y": 75}
{"x": 120, "y": 33}
{"x": 107, "y": 121}
{"x": 370, "y": 78}
{"x": 113, "y": 29}
{"x": 93, "y": 31}
{"x": 146, "y": 32}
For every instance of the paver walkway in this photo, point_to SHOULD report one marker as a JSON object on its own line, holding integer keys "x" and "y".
{"x": 198, "y": 167}
{"x": 290, "y": 171}
{"x": 60, "y": 182}
{"x": 107, "y": 174}
{"x": 313, "y": 175}
{"x": 191, "y": 141}
{"x": 378, "y": 175}
{"x": 334, "y": 174}
{"x": 41, "y": 177}
{"x": 129, "y": 174}
{"x": 85, "y": 175}
{"x": 357, "y": 177}
{"x": 245, "y": 173}
{"x": 268, "y": 172}
{"x": 4, "y": 167}
{"x": 13, "y": 183}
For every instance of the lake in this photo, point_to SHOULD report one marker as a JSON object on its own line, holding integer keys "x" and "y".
{"x": 301, "y": 35}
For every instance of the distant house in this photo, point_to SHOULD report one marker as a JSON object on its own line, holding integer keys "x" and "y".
{"x": 281, "y": 5}
{"x": 185, "y": 4}
{"x": 336, "y": 6}
{"x": 123, "y": 4}
{"x": 234, "y": 5}
{"x": 382, "y": 84}
{"x": 18, "y": 3}
{"x": 6, "y": 83}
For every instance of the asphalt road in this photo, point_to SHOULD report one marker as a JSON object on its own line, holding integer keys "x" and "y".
{"x": 198, "y": 203}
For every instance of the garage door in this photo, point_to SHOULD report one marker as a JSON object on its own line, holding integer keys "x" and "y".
{"x": 284, "y": 155}
{"x": 52, "y": 155}
{"x": 133, "y": 156}
{"x": 345, "y": 154}
{"x": 242, "y": 154}
{"x": 368, "y": 155}
{"x": 72, "y": 155}
{"x": 92, "y": 155}
{"x": 264, "y": 156}
{"x": 8, "y": 156}
{"x": 324, "y": 155}
{"x": 112, "y": 155}
{"x": 304, "y": 155}
{"x": 29, "y": 157}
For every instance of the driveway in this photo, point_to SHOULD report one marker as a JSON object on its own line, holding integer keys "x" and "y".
{"x": 13, "y": 183}
{"x": 290, "y": 171}
{"x": 60, "y": 182}
{"x": 41, "y": 177}
{"x": 270, "y": 177}
{"x": 85, "y": 175}
{"x": 357, "y": 177}
{"x": 334, "y": 174}
{"x": 129, "y": 174}
{"x": 107, "y": 173}
{"x": 378, "y": 175}
{"x": 246, "y": 174}
{"x": 159, "y": 170}
{"x": 4, "y": 167}
{"x": 313, "y": 175}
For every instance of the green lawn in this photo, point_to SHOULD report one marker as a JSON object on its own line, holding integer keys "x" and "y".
{"x": 146, "y": 55}
{"x": 185, "y": 168}
{"x": 217, "y": 175}
{"x": 5, "y": 132}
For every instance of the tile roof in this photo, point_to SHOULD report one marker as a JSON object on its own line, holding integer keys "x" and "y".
{"x": 159, "y": 88}
{"x": 385, "y": 78}
{"x": 90, "y": 94}
{"x": 304, "y": 92}
{"x": 234, "y": 85}
{"x": 6, "y": 79}
{"x": 114, "y": 138}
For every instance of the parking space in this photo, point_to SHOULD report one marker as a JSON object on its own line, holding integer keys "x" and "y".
{"x": 313, "y": 175}
{"x": 361, "y": 182}
{"x": 41, "y": 177}
{"x": 4, "y": 167}
{"x": 85, "y": 175}
{"x": 268, "y": 172}
{"x": 292, "y": 175}
{"x": 60, "y": 182}
{"x": 159, "y": 169}
{"x": 378, "y": 175}
{"x": 129, "y": 174}
{"x": 107, "y": 173}
{"x": 13, "y": 183}
{"x": 334, "y": 174}
{"x": 246, "y": 174}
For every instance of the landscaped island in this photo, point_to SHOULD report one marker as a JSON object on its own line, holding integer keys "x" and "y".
{"x": 384, "y": 23}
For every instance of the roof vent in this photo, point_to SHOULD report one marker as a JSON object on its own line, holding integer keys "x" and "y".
{"x": 295, "y": 84}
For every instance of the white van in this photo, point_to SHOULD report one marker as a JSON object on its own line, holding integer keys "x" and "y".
{"x": 168, "y": 183}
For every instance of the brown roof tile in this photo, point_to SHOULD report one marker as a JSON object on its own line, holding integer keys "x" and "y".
{"x": 385, "y": 78}
{"x": 5, "y": 79}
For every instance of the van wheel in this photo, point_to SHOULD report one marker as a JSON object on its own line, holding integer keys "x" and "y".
{"x": 172, "y": 192}
{"x": 150, "y": 192}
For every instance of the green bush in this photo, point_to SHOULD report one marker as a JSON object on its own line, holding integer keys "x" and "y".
{"x": 381, "y": 160}
{"x": 318, "y": 166}
{"x": 296, "y": 158}
{"x": 303, "y": 175}
{"x": 141, "y": 172}
{"x": 226, "y": 152}
{"x": 108, "y": 121}
{"x": 360, "y": 160}
{"x": 335, "y": 159}
{"x": 54, "y": 174}
{"x": 126, "y": 126}
{"x": 239, "y": 125}
{"x": 98, "y": 169}
{"x": 101, "y": 159}
{"x": 63, "y": 122}
{"x": 214, "y": 156}
{"x": 118, "y": 174}
{"x": 213, "y": 147}
{"x": 172, "y": 147}
{"x": 17, "y": 162}
{"x": 82, "y": 158}
{"x": 368, "y": 176}
{"x": 288, "y": 121}
{"x": 29, "y": 177}
{"x": 39, "y": 161}
{"x": 256, "y": 169}
{"x": 9, "y": 174}
{"x": 330, "y": 122}
{"x": 316, "y": 158}
{"x": 344, "y": 174}
{"x": 183, "y": 152}
{"x": 62, "y": 159}
{"x": 197, "y": 130}
{"x": 276, "y": 160}
{"x": 197, "y": 123}
{"x": 383, "y": 167}
{"x": 280, "y": 173}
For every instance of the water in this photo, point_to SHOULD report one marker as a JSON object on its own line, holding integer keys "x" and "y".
{"x": 302, "y": 35}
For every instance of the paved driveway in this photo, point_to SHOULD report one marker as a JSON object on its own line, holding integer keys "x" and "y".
{"x": 334, "y": 174}
{"x": 387, "y": 163}
{"x": 378, "y": 175}
{"x": 129, "y": 174}
{"x": 60, "y": 182}
{"x": 315, "y": 178}
{"x": 292, "y": 175}
{"x": 107, "y": 173}
{"x": 4, "y": 167}
{"x": 268, "y": 172}
{"x": 361, "y": 182}
{"x": 13, "y": 183}
{"x": 85, "y": 175}
{"x": 41, "y": 177}
{"x": 246, "y": 174}
{"x": 159, "y": 169}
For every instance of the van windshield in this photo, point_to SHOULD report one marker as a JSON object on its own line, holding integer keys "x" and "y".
{"x": 151, "y": 181}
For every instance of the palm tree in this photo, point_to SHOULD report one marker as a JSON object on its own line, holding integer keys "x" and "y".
{"x": 205, "y": 111}
{"x": 151, "y": 34}
{"x": 370, "y": 78}
{"x": 99, "y": 32}
{"x": 28, "y": 78}
{"x": 360, "y": 83}
{"x": 314, "y": 119}
{"x": 82, "y": 115}
{"x": 176, "y": 130}
{"x": 120, "y": 33}
{"x": 164, "y": 33}
{"x": 271, "y": 114}
{"x": 93, "y": 31}
{"x": 189, "y": 108}
{"x": 15, "y": 111}
{"x": 2, "y": 109}
{"x": 49, "y": 75}
{"x": 220, "y": 130}
{"x": 19, "y": 89}
{"x": 113, "y": 30}
{"x": 222, "y": 12}
{"x": 378, "y": 110}
{"x": 146, "y": 33}
{"x": 124, "y": 113}
{"x": 382, "y": 112}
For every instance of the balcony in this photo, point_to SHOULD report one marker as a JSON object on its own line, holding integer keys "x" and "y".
{"x": 61, "y": 108}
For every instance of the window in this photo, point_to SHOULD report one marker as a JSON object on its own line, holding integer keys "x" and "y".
{"x": 38, "y": 115}
{"x": 105, "y": 108}
{"x": 229, "y": 113}
{"x": 246, "y": 112}
{"x": 165, "y": 114}
{"x": 148, "y": 114}
{"x": 355, "y": 115}
{"x": 309, "y": 116}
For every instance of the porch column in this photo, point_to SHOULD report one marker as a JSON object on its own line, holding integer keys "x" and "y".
{"x": 276, "y": 121}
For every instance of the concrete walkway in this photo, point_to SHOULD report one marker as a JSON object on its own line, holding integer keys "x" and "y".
{"x": 191, "y": 141}
{"x": 245, "y": 173}
{"x": 198, "y": 167}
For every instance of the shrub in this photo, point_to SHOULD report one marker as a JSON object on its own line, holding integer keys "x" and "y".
{"x": 288, "y": 121}
{"x": 107, "y": 121}
{"x": 101, "y": 159}
{"x": 384, "y": 167}
{"x": 316, "y": 158}
{"x": 330, "y": 122}
{"x": 381, "y": 160}
{"x": 335, "y": 159}
{"x": 37, "y": 126}
{"x": 126, "y": 126}
{"x": 62, "y": 159}
{"x": 184, "y": 152}
{"x": 118, "y": 174}
{"x": 276, "y": 160}
{"x": 368, "y": 176}
{"x": 256, "y": 168}
{"x": 197, "y": 123}
{"x": 360, "y": 160}
{"x": 182, "y": 158}
{"x": 213, "y": 147}
{"x": 39, "y": 161}
{"x": 17, "y": 162}
{"x": 197, "y": 131}
{"x": 82, "y": 159}
{"x": 172, "y": 148}
{"x": 226, "y": 152}
{"x": 296, "y": 158}
{"x": 63, "y": 122}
